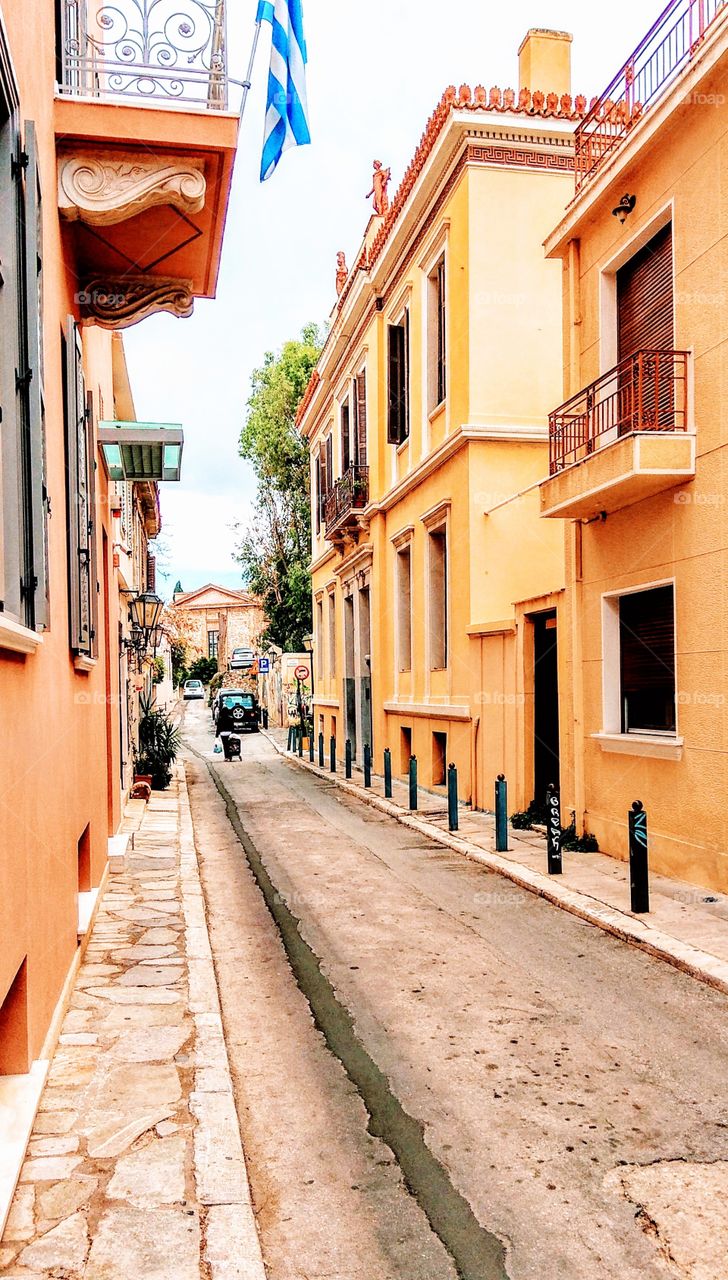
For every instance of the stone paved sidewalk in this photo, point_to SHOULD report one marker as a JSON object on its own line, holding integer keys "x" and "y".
{"x": 687, "y": 926}
{"x": 135, "y": 1166}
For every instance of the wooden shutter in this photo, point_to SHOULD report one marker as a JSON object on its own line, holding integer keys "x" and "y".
{"x": 317, "y": 482}
{"x": 406, "y": 378}
{"x": 345, "y": 438}
{"x": 324, "y": 482}
{"x": 395, "y": 415}
{"x": 330, "y": 460}
{"x": 78, "y": 498}
{"x": 361, "y": 418}
{"x": 36, "y": 515}
{"x": 645, "y": 298}
{"x": 441, "y": 349}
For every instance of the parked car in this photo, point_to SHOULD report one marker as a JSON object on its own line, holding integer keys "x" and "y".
{"x": 238, "y": 712}
{"x": 241, "y": 659}
{"x": 215, "y": 701}
{"x": 193, "y": 689}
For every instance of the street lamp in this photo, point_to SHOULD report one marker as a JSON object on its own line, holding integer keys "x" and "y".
{"x": 145, "y": 610}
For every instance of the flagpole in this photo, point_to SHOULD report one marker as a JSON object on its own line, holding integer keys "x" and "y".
{"x": 247, "y": 81}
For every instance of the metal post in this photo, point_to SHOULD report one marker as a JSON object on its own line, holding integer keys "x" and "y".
{"x": 413, "y": 782}
{"x": 300, "y": 741}
{"x": 310, "y": 745}
{"x": 367, "y": 765}
{"x": 332, "y": 754}
{"x": 290, "y": 737}
{"x": 321, "y": 751}
{"x": 388, "y": 773}
{"x": 501, "y": 814}
{"x": 553, "y": 831}
{"x": 639, "y": 884}
{"x": 452, "y": 797}
{"x": 265, "y": 717}
{"x": 347, "y": 758}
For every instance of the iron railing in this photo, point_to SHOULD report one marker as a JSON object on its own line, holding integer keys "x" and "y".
{"x": 350, "y": 493}
{"x": 656, "y": 62}
{"x": 646, "y": 392}
{"x": 166, "y": 51}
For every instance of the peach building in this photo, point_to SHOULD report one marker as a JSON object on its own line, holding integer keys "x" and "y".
{"x": 114, "y": 177}
{"x": 435, "y": 581}
{"x": 638, "y": 476}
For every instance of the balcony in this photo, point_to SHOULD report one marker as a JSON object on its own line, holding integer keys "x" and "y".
{"x": 658, "y": 60}
{"x": 621, "y": 439}
{"x": 345, "y": 503}
{"x": 146, "y": 146}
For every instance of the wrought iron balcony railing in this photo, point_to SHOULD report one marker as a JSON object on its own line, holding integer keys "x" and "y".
{"x": 656, "y": 62}
{"x": 164, "y": 51}
{"x": 646, "y": 392}
{"x": 349, "y": 495}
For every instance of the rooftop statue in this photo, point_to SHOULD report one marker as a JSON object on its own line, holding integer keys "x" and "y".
{"x": 342, "y": 271}
{"x": 380, "y": 182}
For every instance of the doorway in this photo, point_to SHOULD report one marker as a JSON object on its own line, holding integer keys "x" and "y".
{"x": 349, "y": 675}
{"x": 545, "y": 705}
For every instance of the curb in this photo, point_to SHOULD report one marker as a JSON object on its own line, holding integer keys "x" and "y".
{"x": 230, "y": 1245}
{"x": 681, "y": 955}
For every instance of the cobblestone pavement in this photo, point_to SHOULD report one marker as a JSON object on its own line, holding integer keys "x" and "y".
{"x": 135, "y": 1168}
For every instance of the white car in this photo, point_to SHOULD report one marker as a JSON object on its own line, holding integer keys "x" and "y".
{"x": 241, "y": 659}
{"x": 193, "y": 689}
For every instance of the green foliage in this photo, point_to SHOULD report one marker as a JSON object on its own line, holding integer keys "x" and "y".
{"x": 275, "y": 550}
{"x": 159, "y": 744}
{"x": 585, "y": 843}
{"x": 159, "y": 670}
{"x": 178, "y": 651}
{"x": 203, "y": 669}
{"x": 524, "y": 820}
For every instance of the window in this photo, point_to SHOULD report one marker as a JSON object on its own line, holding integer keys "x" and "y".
{"x": 317, "y": 491}
{"x": 23, "y": 535}
{"x": 439, "y": 759}
{"x": 436, "y": 350}
{"x": 81, "y": 500}
{"x": 332, "y": 635}
{"x": 398, "y": 381}
{"x": 213, "y": 643}
{"x": 438, "y": 599}
{"x": 345, "y": 437}
{"x": 647, "y": 660}
{"x": 359, "y": 396}
{"x": 404, "y": 608}
{"x": 319, "y": 637}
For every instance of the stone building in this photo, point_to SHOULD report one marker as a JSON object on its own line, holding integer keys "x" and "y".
{"x": 215, "y": 620}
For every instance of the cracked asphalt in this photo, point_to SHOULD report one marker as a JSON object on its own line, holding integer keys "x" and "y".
{"x": 569, "y": 1092}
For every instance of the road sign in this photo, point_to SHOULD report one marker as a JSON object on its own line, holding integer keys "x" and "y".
{"x": 301, "y": 673}
{"x": 264, "y": 666}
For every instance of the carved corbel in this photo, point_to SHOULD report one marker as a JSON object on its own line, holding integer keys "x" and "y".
{"x": 103, "y": 189}
{"x": 123, "y": 301}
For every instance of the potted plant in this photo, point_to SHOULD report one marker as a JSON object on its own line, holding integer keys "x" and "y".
{"x": 159, "y": 744}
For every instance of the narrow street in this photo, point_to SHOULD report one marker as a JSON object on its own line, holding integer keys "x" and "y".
{"x": 437, "y": 1073}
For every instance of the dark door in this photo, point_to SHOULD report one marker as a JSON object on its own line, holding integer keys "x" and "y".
{"x": 645, "y": 323}
{"x": 546, "y": 705}
{"x": 349, "y": 675}
{"x": 365, "y": 645}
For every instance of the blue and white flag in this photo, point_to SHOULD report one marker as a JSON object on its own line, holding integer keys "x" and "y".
{"x": 286, "y": 119}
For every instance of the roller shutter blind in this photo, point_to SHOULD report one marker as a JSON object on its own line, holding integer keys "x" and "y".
{"x": 647, "y": 660}
{"x": 645, "y": 298}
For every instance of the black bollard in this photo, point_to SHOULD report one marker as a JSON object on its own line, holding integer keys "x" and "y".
{"x": 413, "y": 782}
{"x": 639, "y": 883}
{"x": 310, "y": 745}
{"x": 300, "y": 741}
{"x": 367, "y": 765}
{"x": 321, "y": 751}
{"x": 265, "y": 717}
{"x": 347, "y": 758}
{"x": 332, "y": 754}
{"x": 501, "y": 814}
{"x": 553, "y": 831}
{"x": 388, "y": 773}
{"x": 289, "y": 747}
{"x": 452, "y": 797}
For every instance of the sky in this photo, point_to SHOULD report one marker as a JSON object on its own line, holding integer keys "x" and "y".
{"x": 376, "y": 71}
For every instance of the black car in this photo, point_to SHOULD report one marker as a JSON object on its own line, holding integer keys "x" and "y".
{"x": 237, "y": 712}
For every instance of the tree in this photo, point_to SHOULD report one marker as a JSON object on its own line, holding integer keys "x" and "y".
{"x": 274, "y": 551}
{"x": 203, "y": 669}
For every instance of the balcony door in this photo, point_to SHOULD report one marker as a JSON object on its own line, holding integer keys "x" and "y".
{"x": 645, "y": 323}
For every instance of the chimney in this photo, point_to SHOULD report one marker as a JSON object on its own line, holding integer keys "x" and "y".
{"x": 544, "y": 61}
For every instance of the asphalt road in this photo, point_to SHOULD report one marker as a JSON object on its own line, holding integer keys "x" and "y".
{"x": 437, "y": 1073}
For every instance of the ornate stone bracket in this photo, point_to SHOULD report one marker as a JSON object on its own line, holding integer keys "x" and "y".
{"x": 103, "y": 189}
{"x": 117, "y": 303}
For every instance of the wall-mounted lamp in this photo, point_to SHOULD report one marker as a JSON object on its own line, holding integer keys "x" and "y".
{"x": 624, "y": 208}
{"x": 144, "y": 611}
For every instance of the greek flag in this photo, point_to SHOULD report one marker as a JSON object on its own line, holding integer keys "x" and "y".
{"x": 286, "y": 120}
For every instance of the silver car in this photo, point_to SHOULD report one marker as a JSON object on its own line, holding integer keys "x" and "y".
{"x": 193, "y": 689}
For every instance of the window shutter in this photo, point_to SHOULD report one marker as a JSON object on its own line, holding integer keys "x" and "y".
{"x": 346, "y": 437}
{"x": 77, "y": 491}
{"x": 441, "y": 331}
{"x": 317, "y": 482}
{"x": 644, "y": 298}
{"x": 93, "y": 560}
{"x": 361, "y": 418}
{"x": 647, "y": 658}
{"x": 330, "y": 460}
{"x": 324, "y": 488}
{"x": 32, "y": 338}
{"x": 406, "y": 378}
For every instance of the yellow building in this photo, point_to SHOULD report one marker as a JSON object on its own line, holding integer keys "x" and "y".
{"x": 639, "y": 452}
{"x": 434, "y": 579}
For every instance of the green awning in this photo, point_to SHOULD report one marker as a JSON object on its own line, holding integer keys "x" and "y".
{"x": 141, "y": 450}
